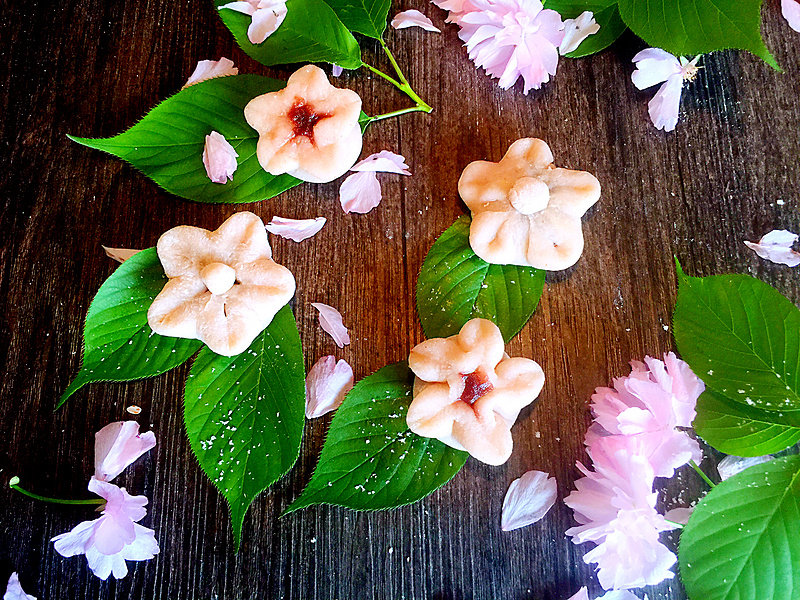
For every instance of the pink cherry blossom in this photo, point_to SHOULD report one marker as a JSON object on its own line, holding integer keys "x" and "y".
{"x": 413, "y": 18}
{"x": 119, "y": 254}
{"x": 360, "y": 192}
{"x": 219, "y": 158}
{"x": 330, "y": 320}
{"x": 577, "y": 30}
{"x": 528, "y": 500}
{"x": 776, "y": 246}
{"x": 115, "y": 537}
{"x": 14, "y": 590}
{"x": 791, "y": 12}
{"x": 266, "y": 16}
{"x": 654, "y": 66}
{"x": 209, "y": 69}
{"x": 118, "y": 445}
{"x": 327, "y": 384}
{"x": 384, "y": 162}
{"x": 296, "y": 230}
{"x": 456, "y": 8}
{"x": 732, "y": 465}
{"x": 512, "y": 39}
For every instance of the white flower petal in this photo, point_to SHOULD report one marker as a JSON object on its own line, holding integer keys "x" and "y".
{"x": 665, "y": 105}
{"x": 619, "y": 595}
{"x": 413, "y": 18}
{"x": 528, "y": 499}
{"x": 119, "y": 254}
{"x": 791, "y": 12}
{"x": 242, "y": 6}
{"x": 327, "y": 385}
{"x": 384, "y": 162}
{"x": 654, "y": 66}
{"x": 296, "y": 230}
{"x": 337, "y": 71}
{"x": 219, "y": 158}
{"x": 679, "y": 515}
{"x": 360, "y": 192}
{"x": 776, "y": 246}
{"x": 14, "y": 590}
{"x": 265, "y": 22}
{"x": 117, "y": 446}
{"x": 330, "y": 320}
{"x": 731, "y": 465}
{"x": 577, "y": 30}
{"x": 208, "y": 69}
{"x": 582, "y": 594}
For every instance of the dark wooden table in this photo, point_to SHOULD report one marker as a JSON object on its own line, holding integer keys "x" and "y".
{"x": 730, "y": 172}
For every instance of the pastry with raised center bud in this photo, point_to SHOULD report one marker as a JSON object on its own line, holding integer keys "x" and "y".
{"x": 468, "y": 392}
{"x": 309, "y": 129}
{"x": 526, "y": 211}
{"x": 223, "y": 288}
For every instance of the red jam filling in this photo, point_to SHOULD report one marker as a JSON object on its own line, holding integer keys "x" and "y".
{"x": 304, "y": 119}
{"x": 476, "y": 386}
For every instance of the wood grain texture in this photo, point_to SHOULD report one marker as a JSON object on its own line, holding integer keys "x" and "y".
{"x": 88, "y": 67}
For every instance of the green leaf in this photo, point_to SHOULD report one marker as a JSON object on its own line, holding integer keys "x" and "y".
{"x": 118, "y": 344}
{"x": 734, "y": 428}
{"x": 689, "y": 27}
{"x": 606, "y": 13}
{"x": 367, "y": 17}
{"x": 455, "y": 286}
{"x": 167, "y": 144}
{"x": 311, "y": 32}
{"x": 371, "y": 460}
{"x": 244, "y": 414}
{"x": 743, "y": 539}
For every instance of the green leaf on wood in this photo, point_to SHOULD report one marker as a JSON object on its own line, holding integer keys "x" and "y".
{"x": 743, "y": 538}
{"x": 118, "y": 344}
{"x": 690, "y": 27}
{"x": 167, "y": 144}
{"x": 371, "y": 460}
{"x": 311, "y": 32}
{"x": 606, "y": 13}
{"x": 367, "y": 17}
{"x": 245, "y": 414}
{"x": 455, "y": 285}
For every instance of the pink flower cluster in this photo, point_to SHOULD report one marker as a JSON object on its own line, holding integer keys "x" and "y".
{"x": 636, "y": 436}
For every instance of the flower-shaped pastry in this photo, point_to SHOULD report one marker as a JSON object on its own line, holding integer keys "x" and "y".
{"x": 309, "y": 129}
{"x": 468, "y": 391}
{"x": 224, "y": 288}
{"x": 525, "y": 211}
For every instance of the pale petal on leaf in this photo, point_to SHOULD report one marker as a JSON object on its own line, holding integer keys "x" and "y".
{"x": 577, "y": 30}
{"x": 327, "y": 384}
{"x": 296, "y": 230}
{"x": 208, "y": 69}
{"x": 330, "y": 320}
{"x": 119, "y": 254}
{"x": 731, "y": 465}
{"x": 413, "y": 18}
{"x": 219, "y": 158}
{"x": 527, "y": 500}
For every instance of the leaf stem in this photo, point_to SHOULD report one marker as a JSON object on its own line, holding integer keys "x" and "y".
{"x": 703, "y": 476}
{"x": 14, "y": 485}
{"x": 397, "y": 113}
{"x": 380, "y": 73}
{"x": 401, "y": 84}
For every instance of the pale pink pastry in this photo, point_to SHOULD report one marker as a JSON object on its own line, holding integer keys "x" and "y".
{"x": 309, "y": 129}
{"x": 468, "y": 391}
{"x": 224, "y": 288}
{"x": 525, "y": 211}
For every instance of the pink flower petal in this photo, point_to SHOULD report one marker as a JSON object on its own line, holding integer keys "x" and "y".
{"x": 295, "y": 229}
{"x": 776, "y": 246}
{"x": 208, "y": 69}
{"x": 679, "y": 515}
{"x": 118, "y": 445}
{"x": 360, "y": 192}
{"x": 337, "y": 71}
{"x": 384, "y": 162}
{"x": 14, "y": 590}
{"x": 266, "y": 16}
{"x": 732, "y": 465}
{"x": 219, "y": 158}
{"x": 577, "y": 30}
{"x": 330, "y": 320}
{"x": 327, "y": 385}
{"x": 665, "y": 105}
{"x": 791, "y": 12}
{"x": 583, "y": 594}
{"x": 413, "y": 18}
{"x": 654, "y": 66}
{"x": 528, "y": 500}
{"x": 119, "y": 254}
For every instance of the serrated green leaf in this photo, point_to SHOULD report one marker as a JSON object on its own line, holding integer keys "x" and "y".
{"x": 690, "y": 27}
{"x": 311, "y": 32}
{"x": 455, "y": 285}
{"x": 606, "y": 13}
{"x": 367, "y": 17}
{"x": 734, "y": 428}
{"x": 371, "y": 460}
{"x": 167, "y": 144}
{"x": 118, "y": 344}
{"x": 244, "y": 414}
{"x": 743, "y": 539}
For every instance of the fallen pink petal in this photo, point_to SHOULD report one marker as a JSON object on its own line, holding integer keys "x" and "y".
{"x": 414, "y": 18}
{"x": 219, "y": 158}
{"x": 679, "y": 515}
{"x": 337, "y": 71}
{"x": 654, "y": 66}
{"x": 296, "y": 230}
{"x": 120, "y": 254}
{"x": 327, "y": 384}
{"x": 360, "y": 192}
{"x": 266, "y": 16}
{"x": 582, "y": 594}
{"x": 791, "y": 12}
{"x": 118, "y": 445}
{"x": 776, "y": 246}
{"x": 14, "y": 590}
{"x": 330, "y": 320}
{"x": 209, "y": 69}
{"x": 528, "y": 500}
{"x": 383, "y": 162}
{"x": 733, "y": 465}
{"x": 577, "y": 30}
